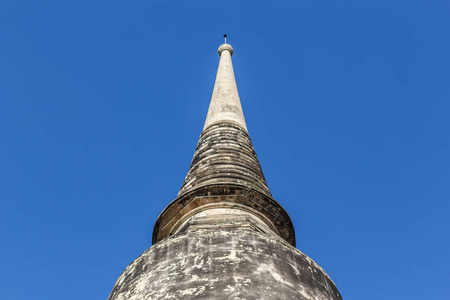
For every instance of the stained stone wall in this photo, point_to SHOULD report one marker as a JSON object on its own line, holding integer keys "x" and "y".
{"x": 230, "y": 263}
{"x": 224, "y": 171}
{"x": 224, "y": 236}
{"x": 225, "y": 155}
{"x": 220, "y": 196}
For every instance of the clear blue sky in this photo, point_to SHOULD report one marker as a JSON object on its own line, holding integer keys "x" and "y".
{"x": 347, "y": 104}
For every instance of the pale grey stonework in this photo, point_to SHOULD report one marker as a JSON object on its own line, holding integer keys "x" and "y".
{"x": 225, "y": 104}
{"x": 224, "y": 236}
{"x": 223, "y": 264}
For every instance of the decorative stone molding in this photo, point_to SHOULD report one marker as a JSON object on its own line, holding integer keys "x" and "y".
{"x": 225, "y": 47}
{"x": 260, "y": 205}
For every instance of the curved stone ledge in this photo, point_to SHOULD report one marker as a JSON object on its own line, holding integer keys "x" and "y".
{"x": 263, "y": 206}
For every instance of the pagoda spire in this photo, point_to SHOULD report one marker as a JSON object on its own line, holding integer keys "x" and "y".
{"x": 225, "y": 104}
{"x": 225, "y": 153}
{"x": 225, "y": 172}
{"x": 224, "y": 236}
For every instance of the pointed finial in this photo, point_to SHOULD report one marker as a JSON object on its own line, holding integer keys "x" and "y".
{"x": 225, "y": 46}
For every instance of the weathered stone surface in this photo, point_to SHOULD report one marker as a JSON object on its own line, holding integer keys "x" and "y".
{"x": 223, "y": 264}
{"x": 224, "y": 236}
{"x": 225, "y": 155}
{"x": 225, "y": 105}
{"x": 224, "y": 195}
